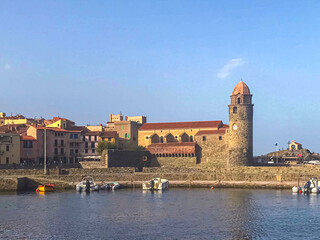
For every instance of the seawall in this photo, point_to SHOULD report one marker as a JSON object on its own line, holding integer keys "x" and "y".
{"x": 249, "y": 177}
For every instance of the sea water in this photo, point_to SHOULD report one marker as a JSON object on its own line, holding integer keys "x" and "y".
{"x": 172, "y": 214}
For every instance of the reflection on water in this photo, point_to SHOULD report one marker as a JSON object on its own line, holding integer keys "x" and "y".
{"x": 173, "y": 214}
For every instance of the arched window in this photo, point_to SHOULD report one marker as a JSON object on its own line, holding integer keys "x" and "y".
{"x": 238, "y": 100}
{"x": 235, "y": 109}
{"x": 191, "y": 138}
{"x": 161, "y": 139}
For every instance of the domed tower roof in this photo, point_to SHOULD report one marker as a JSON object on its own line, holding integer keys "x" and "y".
{"x": 241, "y": 88}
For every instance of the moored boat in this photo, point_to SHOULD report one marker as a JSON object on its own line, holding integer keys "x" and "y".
{"x": 110, "y": 186}
{"x": 87, "y": 185}
{"x": 310, "y": 186}
{"x": 46, "y": 188}
{"x": 156, "y": 184}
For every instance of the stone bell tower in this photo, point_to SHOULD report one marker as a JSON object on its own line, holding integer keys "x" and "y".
{"x": 240, "y": 126}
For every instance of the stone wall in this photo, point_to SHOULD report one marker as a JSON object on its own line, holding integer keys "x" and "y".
{"x": 127, "y": 158}
{"x": 173, "y": 162}
{"x": 212, "y": 151}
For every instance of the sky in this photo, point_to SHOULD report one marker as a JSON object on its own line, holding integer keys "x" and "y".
{"x": 169, "y": 60}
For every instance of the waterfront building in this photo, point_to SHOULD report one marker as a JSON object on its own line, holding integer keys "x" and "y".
{"x": 127, "y": 130}
{"x": 212, "y": 142}
{"x": 63, "y": 146}
{"x": 9, "y": 148}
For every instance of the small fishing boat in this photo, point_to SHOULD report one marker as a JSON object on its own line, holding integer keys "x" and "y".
{"x": 46, "y": 188}
{"x": 156, "y": 184}
{"x": 82, "y": 186}
{"x": 310, "y": 186}
{"x": 110, "y": 186}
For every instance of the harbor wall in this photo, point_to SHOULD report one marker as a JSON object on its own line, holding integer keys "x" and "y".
{"x": 245, "y": 176}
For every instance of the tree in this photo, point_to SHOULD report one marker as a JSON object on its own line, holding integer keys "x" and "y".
{"x": 104, "y": 145}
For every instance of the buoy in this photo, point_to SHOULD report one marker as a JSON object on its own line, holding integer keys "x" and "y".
{"x": 211, "y": 187}
{"x": 300, "y": 191}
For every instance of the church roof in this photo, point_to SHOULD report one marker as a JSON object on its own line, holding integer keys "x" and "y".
{"x": 241, "y": 88}
{"x": 183, "y": 125}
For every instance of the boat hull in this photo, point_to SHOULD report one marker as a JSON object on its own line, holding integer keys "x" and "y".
{"x": 46, "y": 188}
{"x": 159, "y": 184}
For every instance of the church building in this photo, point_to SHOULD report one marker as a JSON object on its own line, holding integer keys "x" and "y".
{"x": 209, "y": 142}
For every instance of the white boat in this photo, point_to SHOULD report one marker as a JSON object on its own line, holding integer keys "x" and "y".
{"x": 296, "y": 189}
{"x": 82, "y": 186}
{"x": 310, "y": 186}
{"x": 156, "y": 184}
{"x": 110, "y": 186}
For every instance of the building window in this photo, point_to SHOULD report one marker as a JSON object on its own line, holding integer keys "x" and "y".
{"x": 56, "y": 142}
{"x": 56, "y": 134}
{"x": 76, "y": 136}
{"x": 191, "y": 138}
{"x": 71, "y": 144}
{"x": 92, "y": 144}
{"x": 238, "y": 100}
{"x": 7, "y": 148}
{"x": 62, "y": 142}
{"x": 89, "y": 138}
{"x": 62, "y": 150}
{"x": 71, "y": 151}
{"x": 86, "y": 145}
{"x": 27, "y": 144}
{"x": 220, "y": 137}
{"x": 7, "y": 160}
{"x": 76, "y": 144}
{"x": 161, "y": 139}
{"x": 71, "y": 160}
{"x": 56, "y": 151}
{"x": 204, "y": 138}
{"x": 71, "y": 136}
{"x": 86, "y": 150}
{"x": 109, "y": 139}
{"x": 93, "y": 150}
{"x": 235, "y": 109}
{"x": 83, "y": 138}
{"x": 95, "y": 138}
{"x": 76, "y": 151}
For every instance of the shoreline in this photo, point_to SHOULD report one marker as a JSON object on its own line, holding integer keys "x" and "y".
{"x": 31, "y": 183}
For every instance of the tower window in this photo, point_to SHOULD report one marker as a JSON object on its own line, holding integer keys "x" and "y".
{"x": 238, "y": 100}
{"x": 235, "y": 109}
{"x": 204, "y": 138}
{"x": 220, "y": 137}
{"x": 161, "y": 139}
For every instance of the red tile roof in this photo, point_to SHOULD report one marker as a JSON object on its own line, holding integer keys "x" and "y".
{"x": 108, "y": 134}
{"x": 210, "y": 132}
{"x": 241, "y": 88}
{"x": 55, "y": 119}
{"x": 30, "y": 138}
{"x": 91, "y": 133}
{"x": 172, "y": 148}
{"x": 57, "y": 129}
{"x": 179, "y": 125}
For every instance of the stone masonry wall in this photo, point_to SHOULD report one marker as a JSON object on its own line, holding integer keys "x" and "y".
{"x": 213, "y": 152}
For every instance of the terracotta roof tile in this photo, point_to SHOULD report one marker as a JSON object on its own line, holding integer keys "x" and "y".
{"x": 179, "y": 125}
{"x": 211, "y": 132}
{"x": 172, "y": 148}
{"x": 108, "y": 134}
{"x": 241, "y": 88}
{"x": 30, "y": 138}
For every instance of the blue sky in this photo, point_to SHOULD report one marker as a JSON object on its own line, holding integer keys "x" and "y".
{"x": 168, "y": 60}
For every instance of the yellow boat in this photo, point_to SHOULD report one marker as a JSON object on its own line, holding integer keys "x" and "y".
{"x": 46, "y": 188}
